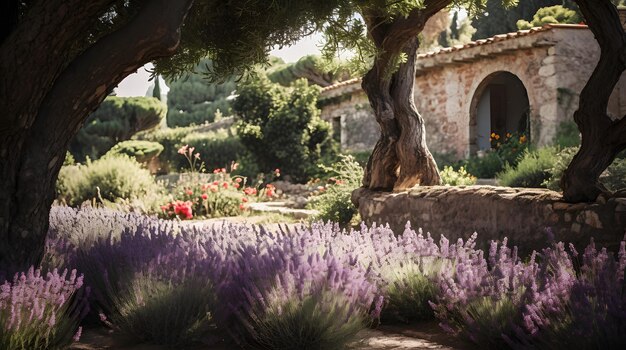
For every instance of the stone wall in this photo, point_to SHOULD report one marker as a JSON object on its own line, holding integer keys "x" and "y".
{"x": 528, "y": 217}
{"x": 553, "y": 63}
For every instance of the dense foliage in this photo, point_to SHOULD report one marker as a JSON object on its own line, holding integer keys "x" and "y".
{"x": 108, "y": 179}
{"x": 116, "y": 120}
{"x": 532, "y": 170}
{"x": 142, "y": 151}
{"x": 334, "y": 203}
{"x": 281, "y": 127}
{"x": 614, "y": 178}
{"x": 550, "y": 15}
{"x": 452, "y": 177}
{"x": 495, "y": 19}
{"x": 218, "y": 148}
{"x": 195, "y": 100}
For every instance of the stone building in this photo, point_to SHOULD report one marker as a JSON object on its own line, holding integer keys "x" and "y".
{"x": 528, "y": 81}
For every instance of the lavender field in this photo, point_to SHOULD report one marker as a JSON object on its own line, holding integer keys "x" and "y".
{"x": 308, "y": 288}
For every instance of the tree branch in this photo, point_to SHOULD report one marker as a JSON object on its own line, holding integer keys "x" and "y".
{"x": 39, "y": 48}
{"x": 153, "y": 33}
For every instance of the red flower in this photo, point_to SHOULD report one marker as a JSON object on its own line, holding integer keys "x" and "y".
{"x": 236, "y": 185}
{"x": 183, "y": 209}
{"x": 238, "y": 180}
{"x": 244, "y": 199}
{"x": 225, "y": 185}
{"x": 189, "y": 192}
{"x": 242, "y": 206}
{"x": 205, "y": 196}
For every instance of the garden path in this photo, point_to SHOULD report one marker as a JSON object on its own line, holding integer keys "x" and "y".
{"x": 425, "y": 336}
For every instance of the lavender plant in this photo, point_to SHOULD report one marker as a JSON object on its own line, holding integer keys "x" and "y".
{"x": 41, "y": 311}
{"x": 149, "y": 276}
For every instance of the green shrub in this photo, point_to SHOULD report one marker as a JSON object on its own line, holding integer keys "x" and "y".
{"x": 452, "y": 177}
{"x": 445, "y": 159}
{"x": 533, "y": 169}
{"x": 361, "y": 157}
{"x": 195, "y": 100}
{"x": 484, "y": 167}
{"x": 561, "y": 162}
{"x": 218, "y": 148}
{"x": 116, "y": 120}
{"x": 567, "y": 135}
{"x": 69, "y": 159}
{"x": 142, "y": 151}
{"x": 615, "y": 177}
{"x": 550, "y": 15}
{"x": 281, "y": 127}
{"x": 334, "y": 203}
{"x": 109, "y": 178}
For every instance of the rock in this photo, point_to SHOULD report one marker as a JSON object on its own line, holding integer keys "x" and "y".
{"x": 592, "y": 219}
{"x": 560, "y": 206}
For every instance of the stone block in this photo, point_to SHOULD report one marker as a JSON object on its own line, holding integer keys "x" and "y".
{"x": 546, "y": 71}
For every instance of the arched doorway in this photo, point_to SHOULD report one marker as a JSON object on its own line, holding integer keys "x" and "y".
{"x": 499, "y": 105}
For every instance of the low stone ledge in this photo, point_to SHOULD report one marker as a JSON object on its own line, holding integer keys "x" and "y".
{"x": 528, "y": 217}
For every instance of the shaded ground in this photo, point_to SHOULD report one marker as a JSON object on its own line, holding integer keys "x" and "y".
{"x": 419, "y": 337}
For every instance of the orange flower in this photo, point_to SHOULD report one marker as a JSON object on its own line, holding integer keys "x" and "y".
{"x": 522, "y": 139}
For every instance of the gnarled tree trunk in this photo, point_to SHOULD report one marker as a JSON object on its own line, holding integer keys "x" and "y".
{"x": 44, "y": 116}
{"x": 401, "y": 158}
{"x": 602, "y": 138}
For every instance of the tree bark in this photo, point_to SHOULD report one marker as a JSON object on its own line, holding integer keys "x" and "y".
{"x": 32, "y": 170}
{"x": 400, "y": 158}
{"x": 602, "y": 138}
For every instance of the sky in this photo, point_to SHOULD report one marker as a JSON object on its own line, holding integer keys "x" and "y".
{"x": 137, "y": 83}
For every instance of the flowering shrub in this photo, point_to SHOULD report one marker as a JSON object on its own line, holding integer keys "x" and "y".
{"x": 41, "y": 311}
{"x": 452, "y": 177}
{"x": 214, "y": 195}
{"x": 510, "y": 146}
